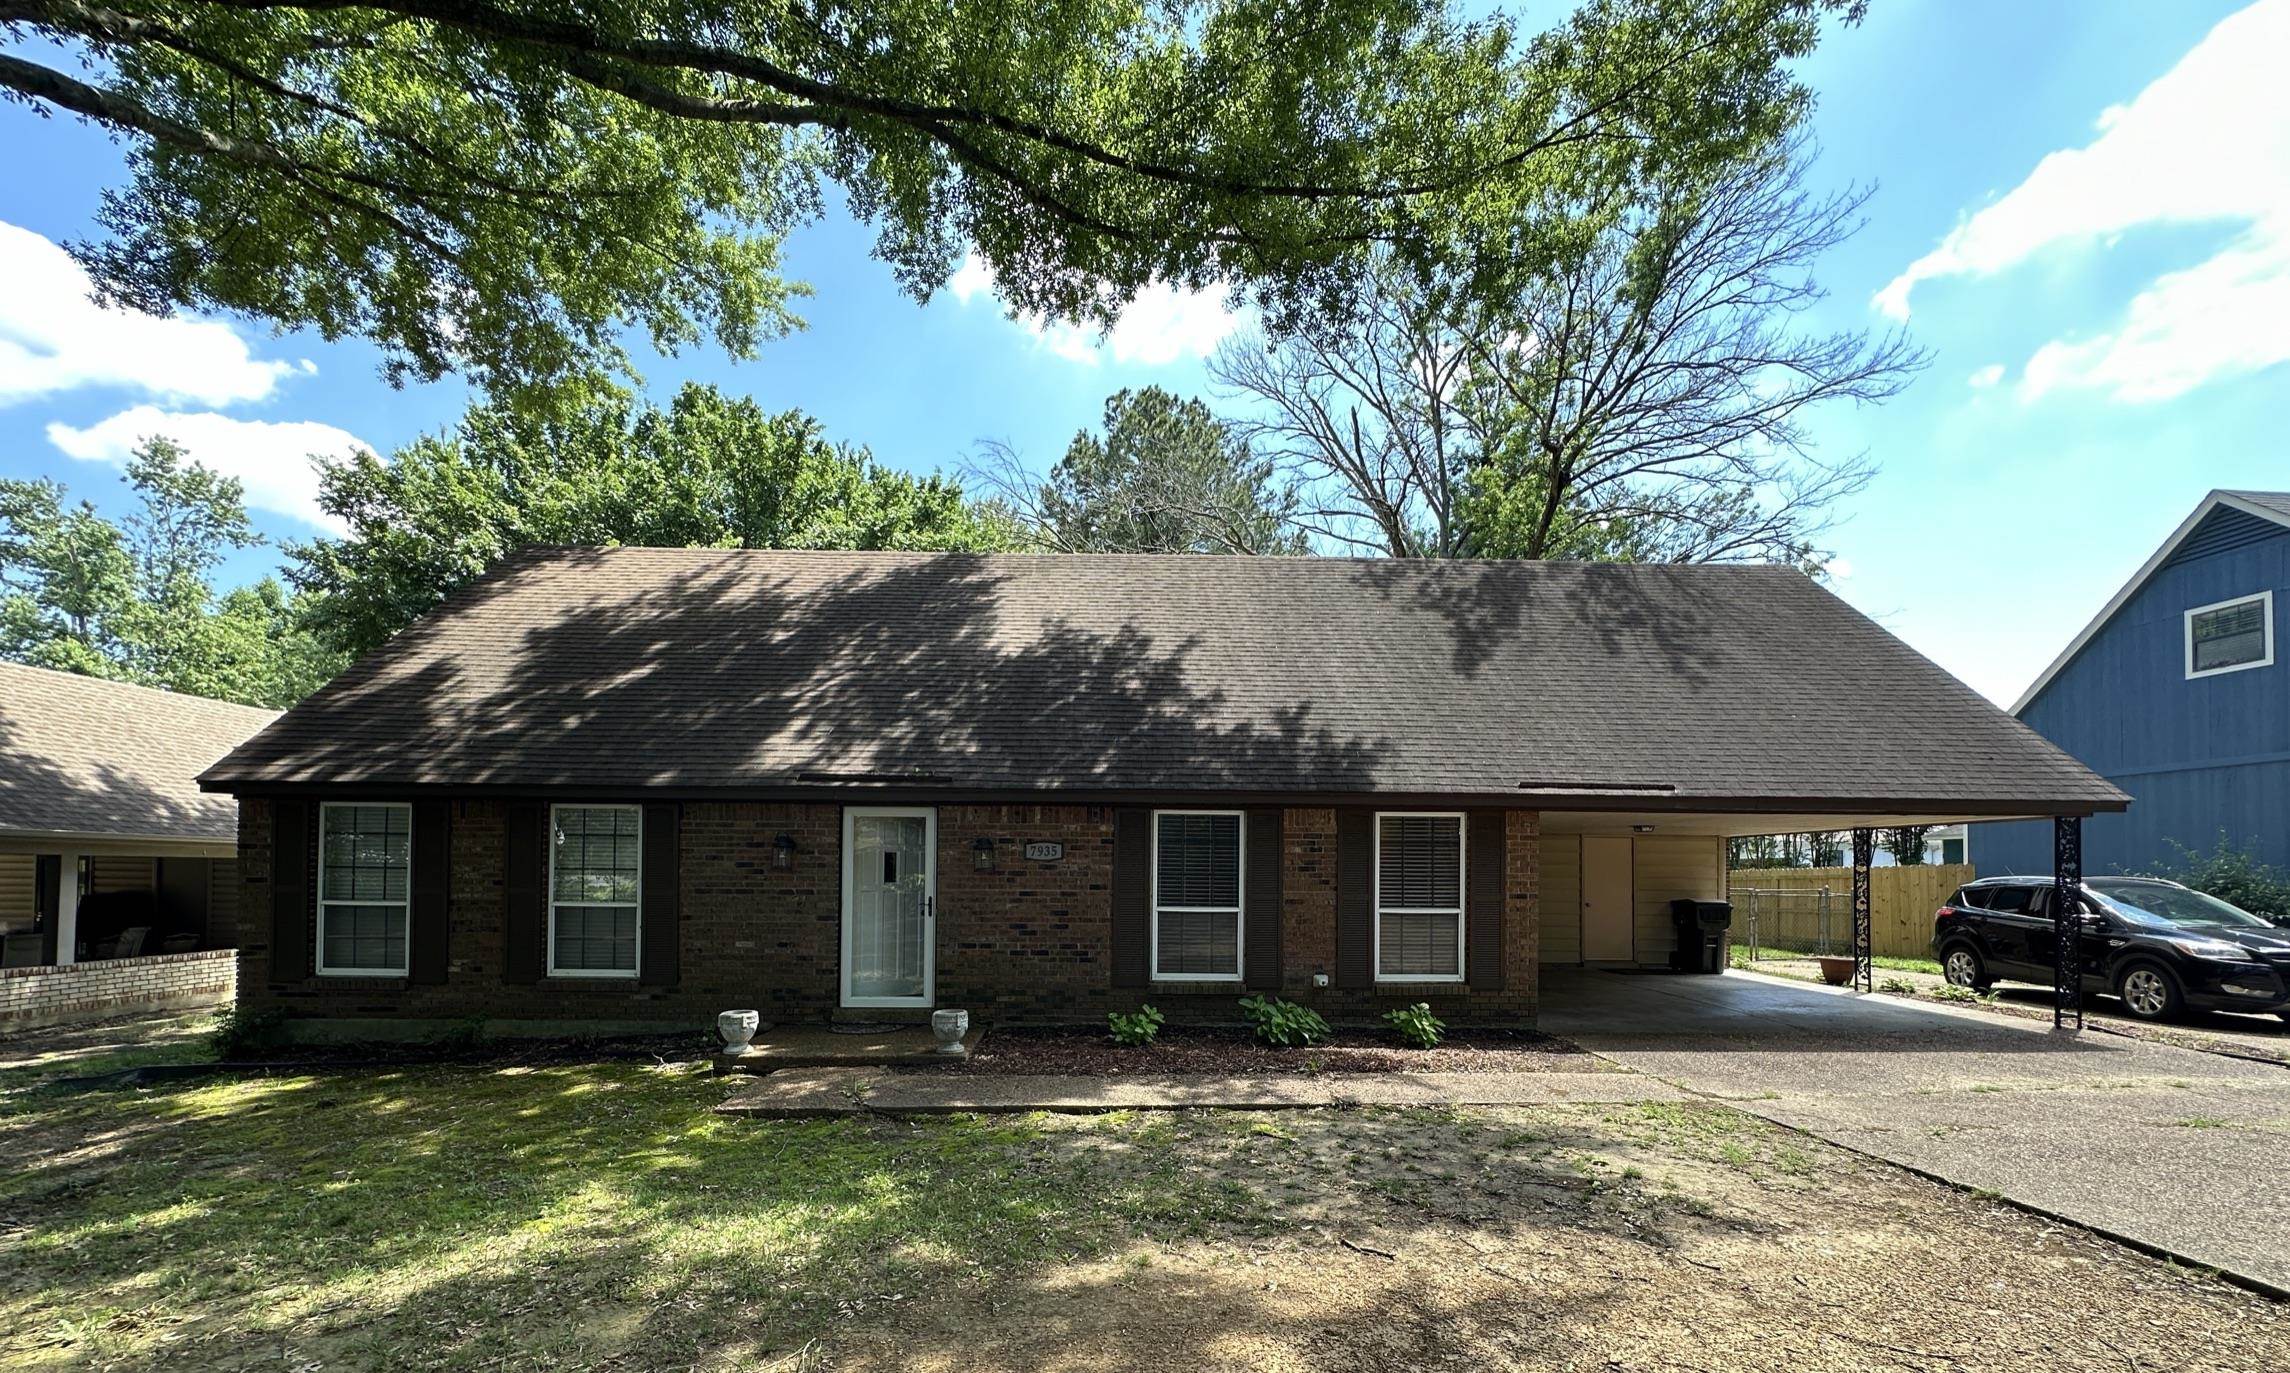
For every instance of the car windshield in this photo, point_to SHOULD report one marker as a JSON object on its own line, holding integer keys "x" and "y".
{"x": 2160, "y": 903}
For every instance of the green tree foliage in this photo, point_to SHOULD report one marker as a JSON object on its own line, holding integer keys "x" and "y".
{"x": 707, "y": 471}
{"x": 1166, "y": 476}
{"x": 506, "y": 188}
{"x": 2234, "y": 875}
{"x": 136, "y": 601}
{"x": 1905, "y": 843}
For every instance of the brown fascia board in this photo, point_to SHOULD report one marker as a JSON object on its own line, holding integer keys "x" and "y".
{"x": 908, "y": 794}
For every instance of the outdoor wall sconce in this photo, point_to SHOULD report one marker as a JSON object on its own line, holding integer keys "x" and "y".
{"x": 783, "y": 853}
{"x": 982, "y": 855}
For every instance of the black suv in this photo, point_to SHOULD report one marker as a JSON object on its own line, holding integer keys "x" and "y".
{"x": 2159, "y": 946}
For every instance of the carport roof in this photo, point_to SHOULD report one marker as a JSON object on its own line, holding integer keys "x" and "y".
{"x": 87, "y": 758}
{"x": 1560, "y": 685}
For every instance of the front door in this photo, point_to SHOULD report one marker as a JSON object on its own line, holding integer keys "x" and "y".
{"x": 890, "y": 885}
{"x": 1607, "y": 909}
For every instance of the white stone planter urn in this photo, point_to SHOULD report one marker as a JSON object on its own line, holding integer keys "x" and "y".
{"x": 950, "y": 1026}
{"x": 738, "y": 1029}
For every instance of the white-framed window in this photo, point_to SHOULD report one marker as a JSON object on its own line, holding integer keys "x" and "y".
{"x": 1419, "y": 896}
{"x": 2229, "y": 636}
{"x": 596, "y": 882}
{"x": 365, "y": 886}
{"x": 1198, "y": 863}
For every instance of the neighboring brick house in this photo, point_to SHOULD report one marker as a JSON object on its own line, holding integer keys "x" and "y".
{"x": 633, "y": 787}
{"x": 117, "y": 887}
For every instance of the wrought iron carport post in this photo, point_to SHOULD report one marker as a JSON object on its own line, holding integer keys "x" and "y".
{"x": 1864, "y": 977}
{"x": 2066, "y": 923}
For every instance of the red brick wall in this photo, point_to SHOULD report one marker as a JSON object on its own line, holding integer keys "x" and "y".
{"x": 1026, "y": 940}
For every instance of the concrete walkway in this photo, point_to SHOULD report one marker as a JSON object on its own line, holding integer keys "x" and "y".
{"x": 847, "y": 1091}
{"x": 2167, "y": 1147}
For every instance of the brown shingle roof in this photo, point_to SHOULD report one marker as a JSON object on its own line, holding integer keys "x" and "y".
{"x": 86, "y": 757}
{"x": 709, "y": 669}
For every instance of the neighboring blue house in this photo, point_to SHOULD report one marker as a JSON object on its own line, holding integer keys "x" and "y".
{"x": 2176, "y": 694}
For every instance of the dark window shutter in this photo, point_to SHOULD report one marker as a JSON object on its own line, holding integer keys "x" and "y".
{"x": 290, "y": 854}
{"x": 1132, "y": 895}
{"x": 661, "y": 897}
{"x": 1355, "y": 898}
{"x": 525, "y": 853}
{"x": 1260, "y": 907}
{"x": 1483, "y": 901}
{"x": 428, "y": 949}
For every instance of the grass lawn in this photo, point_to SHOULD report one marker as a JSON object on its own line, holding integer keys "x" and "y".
{"x": 599, "y": 1216}
{"x": 1740, "y": 958}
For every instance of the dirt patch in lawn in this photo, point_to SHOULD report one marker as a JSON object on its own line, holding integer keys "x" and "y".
{"x": 1660, "y": 1237}
{"x": 1236, "y": 1053}
{"x": 600, "y": 1216}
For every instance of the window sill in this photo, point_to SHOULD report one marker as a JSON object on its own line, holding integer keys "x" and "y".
{"x": 619, "y": 982}
{"x": 360, "y": 982}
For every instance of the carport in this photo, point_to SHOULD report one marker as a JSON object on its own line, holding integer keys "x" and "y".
{"x": 1609, "y": 875}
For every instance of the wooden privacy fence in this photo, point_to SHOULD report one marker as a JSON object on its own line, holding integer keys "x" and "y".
{"x": 1792, "y": 915}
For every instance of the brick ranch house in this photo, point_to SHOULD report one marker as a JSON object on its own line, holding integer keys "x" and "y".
{"x": 631, "y": 787}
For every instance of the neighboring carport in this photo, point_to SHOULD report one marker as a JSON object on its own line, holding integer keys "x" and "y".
{"x": 2169, "y": 1148}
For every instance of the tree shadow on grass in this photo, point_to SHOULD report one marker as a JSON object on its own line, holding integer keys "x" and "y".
{"x": 576, "y": 1215}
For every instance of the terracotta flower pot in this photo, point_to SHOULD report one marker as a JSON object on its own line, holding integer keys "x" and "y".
{"x": 1836, "y": 971}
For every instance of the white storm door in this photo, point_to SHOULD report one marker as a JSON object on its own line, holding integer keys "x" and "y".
{"x": 890, "y": 886}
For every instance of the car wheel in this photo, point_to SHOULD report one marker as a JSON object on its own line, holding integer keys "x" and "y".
{"x": 2148, "y": 991}
{"x": 1963, "y": 968}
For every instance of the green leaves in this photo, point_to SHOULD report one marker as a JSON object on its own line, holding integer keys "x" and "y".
{"x": 1167, "y": 476}
{"x": 510, "y": 191}
{"x": 136, "y": 601}
{"x": 706, "y": 471}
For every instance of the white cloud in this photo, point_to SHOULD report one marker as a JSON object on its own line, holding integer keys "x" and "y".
{"x": 1160, "y": 326}
{"x": 1986, "y": 377}
{"x": 55, "y": 338}
{"x": 973, "y": 276}
{"x": 273, "y": 459}
{"x": 2208, "y": 142}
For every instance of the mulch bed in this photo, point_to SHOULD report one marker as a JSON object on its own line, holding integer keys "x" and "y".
{"x": 1234, "y": 1052}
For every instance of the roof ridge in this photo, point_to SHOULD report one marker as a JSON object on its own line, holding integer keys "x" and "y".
{"x": 85, "y": 680}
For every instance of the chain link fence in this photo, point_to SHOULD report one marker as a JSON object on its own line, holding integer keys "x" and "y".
{"x": 1795, "y": 923}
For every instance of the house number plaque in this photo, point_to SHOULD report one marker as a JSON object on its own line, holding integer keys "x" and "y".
{"x": 1045, "y": 853}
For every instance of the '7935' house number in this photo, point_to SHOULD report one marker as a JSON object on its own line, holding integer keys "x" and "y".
{"x": 1045, "y": 853}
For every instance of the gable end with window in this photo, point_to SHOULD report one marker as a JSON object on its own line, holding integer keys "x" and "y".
{"x": 2230, "y": 636}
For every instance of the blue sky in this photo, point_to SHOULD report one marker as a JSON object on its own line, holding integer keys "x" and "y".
{"x": 2082, "y": 209}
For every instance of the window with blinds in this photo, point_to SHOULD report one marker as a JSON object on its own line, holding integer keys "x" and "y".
{"x": 1196, "y": 895}
{"x": 365, "y": 882}
{"x": 596, "y": 859}
{"x": 1419, "y": 898}
{"x": 2231, "y": 635}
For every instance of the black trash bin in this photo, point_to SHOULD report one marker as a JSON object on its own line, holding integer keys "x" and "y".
{"x": 1703, "y": 932}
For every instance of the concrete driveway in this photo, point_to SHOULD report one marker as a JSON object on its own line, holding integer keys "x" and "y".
{"x": 2181, "y": 1150}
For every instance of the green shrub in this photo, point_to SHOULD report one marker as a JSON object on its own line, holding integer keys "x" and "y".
{"x": 1898, "y": 986}
{"x": 1952, "y": 992}
{"x": 2236, "y": 877}
{"x": 243, "y": 1034}
{"x": 1134, "y": 1029}
{"x": 1283, "y": 1024}
{"x": 1416, "y": 1026}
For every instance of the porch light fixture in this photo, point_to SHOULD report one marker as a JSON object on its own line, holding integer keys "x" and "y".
{"x": 783, "y": 852}
{"x": 982, "y": 854}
